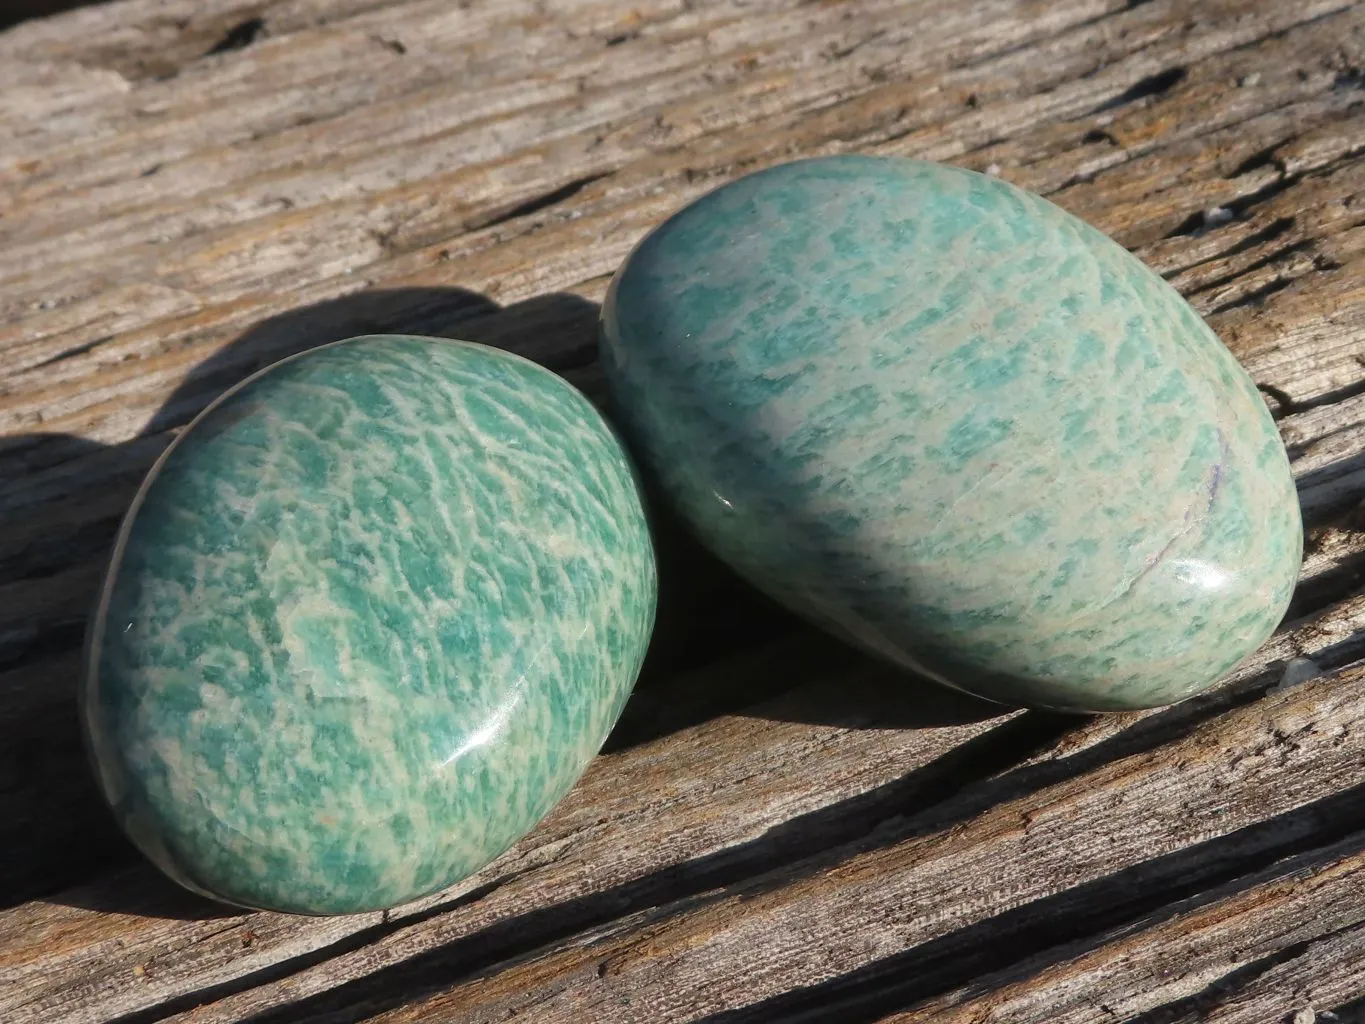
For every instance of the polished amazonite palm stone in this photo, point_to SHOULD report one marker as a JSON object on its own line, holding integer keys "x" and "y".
{"x": 958, "y": 427}
{"x": 368, "y": 620}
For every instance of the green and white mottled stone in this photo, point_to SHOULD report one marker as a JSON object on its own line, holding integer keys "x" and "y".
{"x": 958, "y": 427}
{"x": 369, "y": 618}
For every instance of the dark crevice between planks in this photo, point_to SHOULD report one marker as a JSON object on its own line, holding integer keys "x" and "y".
{"x": 839, "y": 52}
{"x": 1272, "y": 231}
{"x": 691, "y": 883}
{"x": 1351, "y": 78}
{"x": 1265, "y": 157}
{"x": 536, "y": 204}
{"x": 1255, "y": 297}
{"x": 963, "y": 783}
{"x": 1083, "y": 915}
{"x": 1263, "y": 261}
{"x": 1343, "y": 580}
{"x": 1198, "y": 222}
{"x": 1218, "y": 991}
{"x": 1273, "y": 188}
{"x": 1345, "y": 577}
{"x": 1151, "y": 87}
{"x": 354, "y": 941}
{"x": 1155, "y": 148}
{"x": 1286, "y": 404}
{"x": 1340, "y": 394}
{"x": 77, "y": 350}
{"x": 161, "y": 57}
{"x": 1282, "y": 183}
{"x": 239, "y": 37}
{"x": 1331, "y": 658}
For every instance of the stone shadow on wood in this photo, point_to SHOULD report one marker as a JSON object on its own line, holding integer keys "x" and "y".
{"x": 54, "y": 829}
{"x": 801, "y": 846}
{"x": 719, "y": 646}
{"x": 56, "y": 832}
{"x": 800, "y": 676}
{"x": 962, "y": 783}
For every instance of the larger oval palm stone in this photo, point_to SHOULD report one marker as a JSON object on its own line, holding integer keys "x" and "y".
{"x": 958, "y": 427}
{"x": 368, "y": 620}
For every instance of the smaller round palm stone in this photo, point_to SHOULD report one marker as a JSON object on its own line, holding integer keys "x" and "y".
{"x": 959, "y": 427}
{"x": 368, "y": 620}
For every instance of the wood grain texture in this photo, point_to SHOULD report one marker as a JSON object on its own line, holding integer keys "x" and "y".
{"x": 868, "y": 909}
{"x": 1266, "y": 947}
{"x": 780, "y": 830}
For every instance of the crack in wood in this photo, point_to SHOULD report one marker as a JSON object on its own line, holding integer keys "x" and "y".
{"x": 1254, "y": 297}
{"x": 537, "y": 204}
{"x": 1151, "y": 87}
{"x": 239, "y": 37}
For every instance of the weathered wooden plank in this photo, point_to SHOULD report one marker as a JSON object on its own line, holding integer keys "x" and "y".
{"x": 733, "y": 796}
{"x": 1324, "y": 982}
{"x": 1282, "y": 941}
{"x": 872, "y": 906}
{"x": 133, "y": 379}
{"x": 600, "y": 850}
{"x": 683, "y": 125}
{"x": 523, "y": 82}
{"x": 368, "y": 164}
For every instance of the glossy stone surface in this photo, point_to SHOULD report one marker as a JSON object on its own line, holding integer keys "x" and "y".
{"x": 958, "y": 427}
{"x": 367, "y": 621}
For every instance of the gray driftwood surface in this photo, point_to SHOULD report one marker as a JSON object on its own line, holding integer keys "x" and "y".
{"x": 779, "y": 831}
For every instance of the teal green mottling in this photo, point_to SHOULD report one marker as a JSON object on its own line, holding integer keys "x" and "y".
{"x": 368, "y": 620}
{"x": 958, "y": 427}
